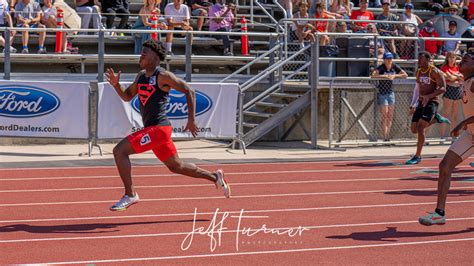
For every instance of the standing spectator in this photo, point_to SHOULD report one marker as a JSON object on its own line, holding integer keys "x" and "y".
{"x": 6, "y": 21}
{"x": 28, "y": 15}
{"x": 431, "y": 46}
{"x": 409, "y": 30}
{"x": 48, "y": 19}
{"x": 177, "y": 17}
{"x": 304, "y": 29}
{"x": 199, "y": 9}
{"x": 452, "y": 98}
{"x": 116, "y": 8}
{"x": 388, "y": 29}
{"x": 451, "y": 45}
{"x": 222, "y": 19}
{"x": 89, "y": 10}
{"x": 361, "y": 14}
{"x": 342, "y": 7}
{"x": 386, "y": 96}
{"x": 144, "y": 22}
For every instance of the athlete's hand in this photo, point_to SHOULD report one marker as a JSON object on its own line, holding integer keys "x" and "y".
{"x": 457, "y": 129}
{"x": 425, "y": 100}
{"x": 412, "y": 110}
{"x": 112, "y": 78}
{"x": 192, "y": 127}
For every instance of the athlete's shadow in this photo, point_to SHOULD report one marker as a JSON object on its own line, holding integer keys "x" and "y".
{"x": 391, "y": 234}
{"x": 431, "y": 178}
{"x": 453, "y": 192}
{"x": 95, "y": 228}
{"x": 371, "y": 164}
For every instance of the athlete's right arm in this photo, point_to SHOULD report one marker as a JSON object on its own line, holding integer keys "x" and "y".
{"x": 126, "y": 94}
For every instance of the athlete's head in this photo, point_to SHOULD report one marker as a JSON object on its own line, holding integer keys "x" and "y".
{"x": 424, "y": 59}
{"x": 467, "y": 64}
{"x": 152, "y": 53}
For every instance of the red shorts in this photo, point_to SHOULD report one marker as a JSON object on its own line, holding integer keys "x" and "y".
{"x": 155, "y": 138}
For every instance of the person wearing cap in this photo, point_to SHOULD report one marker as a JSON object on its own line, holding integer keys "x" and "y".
{"x": 409, "y": 30}
{"x": 388, "y": 71}
{"x": 451, "y": 45}
{"x": 388, "y": 29}
{"x": 431, "y": 46}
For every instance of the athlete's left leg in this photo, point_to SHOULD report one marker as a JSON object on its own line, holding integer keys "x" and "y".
{"x": 176, "y": 165}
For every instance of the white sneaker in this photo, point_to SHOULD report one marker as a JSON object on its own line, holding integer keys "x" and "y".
{"x": 222, "y": 183}
{"x": 125, "y": 202}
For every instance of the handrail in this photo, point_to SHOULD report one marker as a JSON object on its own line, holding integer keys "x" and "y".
{"x": 281, "y": 8}
{"x": 249, "y": 83}
{"x": 270, "y": 16}
{"x": 252, "y": 62}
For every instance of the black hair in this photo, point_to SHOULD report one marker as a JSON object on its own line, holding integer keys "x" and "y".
{"x": 425, "y": 54}
{"x": 157, "y": 47}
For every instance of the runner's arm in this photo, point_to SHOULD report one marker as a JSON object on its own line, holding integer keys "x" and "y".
{"x": 416, "y": 96}
{"x": 440, "y": 84}
{"x": 126, "y": 94}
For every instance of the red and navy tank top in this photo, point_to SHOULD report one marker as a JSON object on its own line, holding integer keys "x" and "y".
{"x": 153, "y": 100}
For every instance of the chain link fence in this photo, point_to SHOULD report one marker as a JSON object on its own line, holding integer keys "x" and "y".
{"x": 376, "y": 111}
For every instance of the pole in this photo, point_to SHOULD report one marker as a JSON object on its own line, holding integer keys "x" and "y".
{"x": 244, "y": 39}
{"x": 59, "y": 34}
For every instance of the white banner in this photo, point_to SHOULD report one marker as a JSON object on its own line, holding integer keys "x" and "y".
{"x": 44, "y": 109}
{"x": 216, "y": 106}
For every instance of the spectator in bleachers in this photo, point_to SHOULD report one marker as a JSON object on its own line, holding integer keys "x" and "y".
{"x": 304, "y": 29}
{"x": 378, "y": 47}
{"x": 409, "y": 30}
{"x": 374, "y": 3}
{"x": 342, "y": 7}
{"x": 451, "y": 45}
{"x": 468, "y": 34}
{"x": 6, "y": 21}
{"x": 388, "y": 29}
{"x": 452, "y": 97}
{"x": 48, "y": 19}
{"x": 28, "y": 15}
{"x": 393, "y": 4}
{"x": 322, "y": 26}
{"x": 361, "y": 14}
{"x": 199, "y": 9}
{"x": 453, "y": 10}
{"x": 288, "y": 6}
{"x": 470, "y": 11}
{"x": 177, "y": 18}
{"x": 116, "y": 8}
{"x": 89, "y": 10}
{"x": 222, "y": 18}
{"x": 144, "y": 21}
{"x": 431, "y": 46}
{"x": 388, "y": 71}
{"x": 465, "y": 9}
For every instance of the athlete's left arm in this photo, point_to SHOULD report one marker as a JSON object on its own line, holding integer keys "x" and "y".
{"x": 462, "y": 125}
{"x": 166, "y": 81}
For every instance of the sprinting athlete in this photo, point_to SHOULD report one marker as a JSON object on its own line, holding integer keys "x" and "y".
{"x": 461, "y": 149}
{"x": 152, "y": 85}
{"x": 429, "y": 84}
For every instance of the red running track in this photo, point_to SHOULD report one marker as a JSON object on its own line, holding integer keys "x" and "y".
{"x": 342, "y": 212}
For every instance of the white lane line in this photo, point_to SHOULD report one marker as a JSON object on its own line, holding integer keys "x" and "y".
{"x": 212, "y": 185}
{"x": 235, "y": 173}
{"x": 223, "y": 231}
{"x": 265, "y": 252}
{"x": 233, "y": 197}
{"x": 399, "y": 160}
{"x": 231, "y": 212}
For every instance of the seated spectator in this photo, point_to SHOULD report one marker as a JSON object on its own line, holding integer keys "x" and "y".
{"x": 177, "y": 17}
{"x": 6, "y": 21}
{"x": 374, "y": 3}
{"x": 361, "y": 14}
{"x": 386, "y": 96}
{"x": 304, "y": 29}
{"x": 199, "y": 9}
{"x": 470, "y": 11}
{"x": 393, "y": 4}
{"x": 409, "y": 30}
{"x": 28, "y": 15}
{"x": 431, "y": 46}
{"x": 48, "y": 19}
{"x": 144, "y": 22}
{"x": 378, "y": 47}
{"x": 342, "y": 7}
{"x": 453, "y": 10}
{"x": 222, "y": 19}
{"x": 468, "y": 34}
{"x": 388, "y": 29}
{"x": 89, "y": 10}
{"x": 116, "y": 8}
{"x": 451, "y": 45}
{"x": 322, "y": 26}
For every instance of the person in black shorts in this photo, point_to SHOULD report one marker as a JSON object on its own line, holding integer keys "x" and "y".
{"x": 152, "y": 85}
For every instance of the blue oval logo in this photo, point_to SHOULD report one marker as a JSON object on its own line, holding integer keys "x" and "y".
{"x": 178, "y": 108}
{"x": 26, "y": 101}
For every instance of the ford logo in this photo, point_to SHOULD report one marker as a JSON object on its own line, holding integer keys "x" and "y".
{"x": 26, "y": 101}
{"x": 178, "y": 108}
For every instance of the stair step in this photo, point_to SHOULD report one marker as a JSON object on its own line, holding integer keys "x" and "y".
{"x": 259, "y": 114}
{"x": 251, "y": 125}
{"x": 285, "y": 95}
{"x": 267, "y": 104}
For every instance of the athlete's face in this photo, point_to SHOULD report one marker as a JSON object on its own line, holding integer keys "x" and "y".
{"x": 148, "y": 58}
{"x": 423, "y": 61}
{"x": 466, "y": 66}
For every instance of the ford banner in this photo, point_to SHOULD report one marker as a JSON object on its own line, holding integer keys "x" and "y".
{"x": 44, "y": 109}
{"x": 216, "y": 106}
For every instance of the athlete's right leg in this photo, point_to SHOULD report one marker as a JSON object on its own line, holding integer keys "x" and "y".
{"x": 420, "y": 128}
{"x": 446, "y": 167}
{"x": 121, "y": 154}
